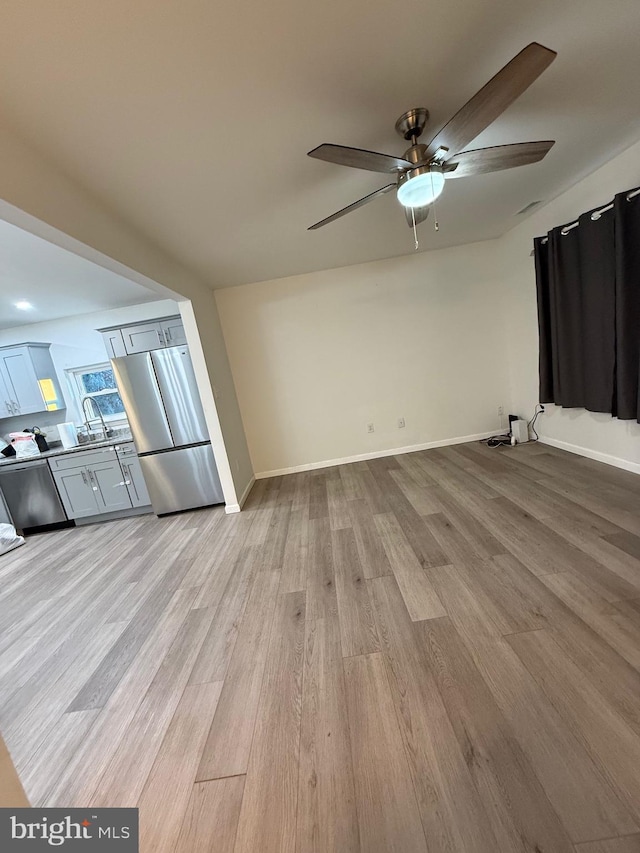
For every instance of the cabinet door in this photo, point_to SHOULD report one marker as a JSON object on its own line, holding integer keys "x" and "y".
{"x": 173, "y": 331}
{"x": 135, "y": 481}
{"x": 22, "y": 381}
{"x": 5, "y": 402}
{"x": 114, "y": 343}
{"x": 109, "y": 487}
{"x": 74, "y": 488}
{"x": 142, "y": 338}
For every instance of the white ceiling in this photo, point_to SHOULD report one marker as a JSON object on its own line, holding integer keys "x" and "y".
{"x": 56, "y": 282}
{"x": 192, "y": 119}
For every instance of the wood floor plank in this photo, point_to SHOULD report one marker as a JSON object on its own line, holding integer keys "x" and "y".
{"x": 327, "y": 819}
{"x": 577, "y": 790}
{"x": 420, "y": 498}
{"x": 123, "y": 780}
{"x": 296, "y": 553}
{"x": 97, "y": 690}
{"x": 165, "y": 797}
{"x": 80, "y": 776}
{"x": 388, "y": 815}
{"x": 527, "y": 821}
{"x": 226, "y": 752}
{"x": 629, "y": 844}
{"x": 357, "y": 626}
{"x": 322, "y": 601}
{"x": 211, "y": 816}
{"x": 605, "y": 735}
{"x": 605, "y": 619}
{"x": 452, "y": 813}
{"x": 318, "y": 498}
{"x": 424, "y": 545}
{"x": 215, "y": 653}
{"x": 373, "y": 557}
{"x": 269, "y": 805}
{"x": 339, "y": 516}
{"x": 420, "y": 598}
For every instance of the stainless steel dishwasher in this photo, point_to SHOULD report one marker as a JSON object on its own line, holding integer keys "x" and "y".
{"x": 31, "y": 494}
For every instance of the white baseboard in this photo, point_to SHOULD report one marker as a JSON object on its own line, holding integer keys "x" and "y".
{"x": 231, "y": 508}
{"x": 376, "y": 454}
{"x": 616, "y": 461}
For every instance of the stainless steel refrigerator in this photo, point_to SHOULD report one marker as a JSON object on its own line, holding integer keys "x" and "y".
{"x": 161, "y": 399}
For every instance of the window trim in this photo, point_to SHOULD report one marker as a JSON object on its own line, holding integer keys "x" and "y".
{"x": 75, "y": 383}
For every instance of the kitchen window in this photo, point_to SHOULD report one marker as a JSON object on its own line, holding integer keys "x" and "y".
{"x": 97, "y": 382}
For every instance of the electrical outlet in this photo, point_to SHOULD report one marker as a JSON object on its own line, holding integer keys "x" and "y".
{"x": 401, "y": 423}
{"x": 370, "y": 428}
{"x": 500, "y": 411}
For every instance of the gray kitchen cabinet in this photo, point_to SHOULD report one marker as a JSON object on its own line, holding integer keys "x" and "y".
{"x": 90, "y": 482}
{"x": 143, "y": 337}
{"x": 108, "y": 484}
{"x": 114, "y": 343}
{"x": 134, "y": 480}
{"x": 173, "y": 332}
{"x": 28, "y": 380}
{"x": 5, "y": 404}
{"x": 82, "y": 458}
{"x": 76, "y": 493}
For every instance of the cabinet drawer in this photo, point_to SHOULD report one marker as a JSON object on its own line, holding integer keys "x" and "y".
{"x": 82, "y": 458}
{"x": 126, "y": 449}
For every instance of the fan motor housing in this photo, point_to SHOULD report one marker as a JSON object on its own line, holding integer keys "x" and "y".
{"x": 411, "y": 124}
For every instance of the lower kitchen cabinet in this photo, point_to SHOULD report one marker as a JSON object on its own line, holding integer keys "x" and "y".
{"x": 134, "y": 480}
{"x": 76, "y": 493}
{"x": 97, "y": 482}
{"x": 109, "y": 487}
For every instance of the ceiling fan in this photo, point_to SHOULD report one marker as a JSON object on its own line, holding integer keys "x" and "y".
{"x": 423, "y": 169}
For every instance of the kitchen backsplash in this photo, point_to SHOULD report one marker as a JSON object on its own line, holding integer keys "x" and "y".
{"x": 47, "y": 421}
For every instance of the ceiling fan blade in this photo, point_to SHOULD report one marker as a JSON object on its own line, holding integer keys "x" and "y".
{"x": 356, "y": 204}
{"x": 493, "y": 99}
{"x": 420, "y": 214}
{"x": 496, "y": 158}
{"x": 358, "y": 158}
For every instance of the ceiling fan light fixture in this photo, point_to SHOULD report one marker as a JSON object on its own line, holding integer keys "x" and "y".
{"x": 420, "y": 187}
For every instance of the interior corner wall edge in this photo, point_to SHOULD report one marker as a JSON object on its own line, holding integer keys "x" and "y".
{"x": 37, "y": 187}
{"x": 587, "y": 432}
{"x": 317, "y": 357}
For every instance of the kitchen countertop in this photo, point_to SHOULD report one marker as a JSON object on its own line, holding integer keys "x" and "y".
{"x": 61, "y": 451}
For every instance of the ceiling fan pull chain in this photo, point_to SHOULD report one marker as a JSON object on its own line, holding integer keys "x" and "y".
{"x": 436, "y": 226}
{"x": 415, "y": 233}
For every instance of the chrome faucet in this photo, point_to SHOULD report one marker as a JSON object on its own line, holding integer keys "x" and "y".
{"x": 88, "y": 418}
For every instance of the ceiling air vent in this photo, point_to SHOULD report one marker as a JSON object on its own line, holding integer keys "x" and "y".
{"x": 528, "y": 207}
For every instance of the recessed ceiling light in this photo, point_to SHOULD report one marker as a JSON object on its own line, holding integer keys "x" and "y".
{"x": 23, "y": 306}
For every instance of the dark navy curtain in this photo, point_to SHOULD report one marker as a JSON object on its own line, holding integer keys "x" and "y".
{"x": 588, "y": 284}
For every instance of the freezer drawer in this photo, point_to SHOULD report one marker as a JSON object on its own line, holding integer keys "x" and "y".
{"x": 184, "y": 478}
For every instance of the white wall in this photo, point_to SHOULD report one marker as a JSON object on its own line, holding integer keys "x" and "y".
{"x": 74, "y": 343}
{"x": 317, "y": 357}
{"x": 598, "y": 435}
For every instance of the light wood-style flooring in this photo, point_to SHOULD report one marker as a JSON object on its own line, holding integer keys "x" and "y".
{"x": 430, "y": 652}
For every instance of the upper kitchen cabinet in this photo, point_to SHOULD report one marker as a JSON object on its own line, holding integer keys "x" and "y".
{"x": 28, "y": 381}
{"x": 143, "y": 337}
